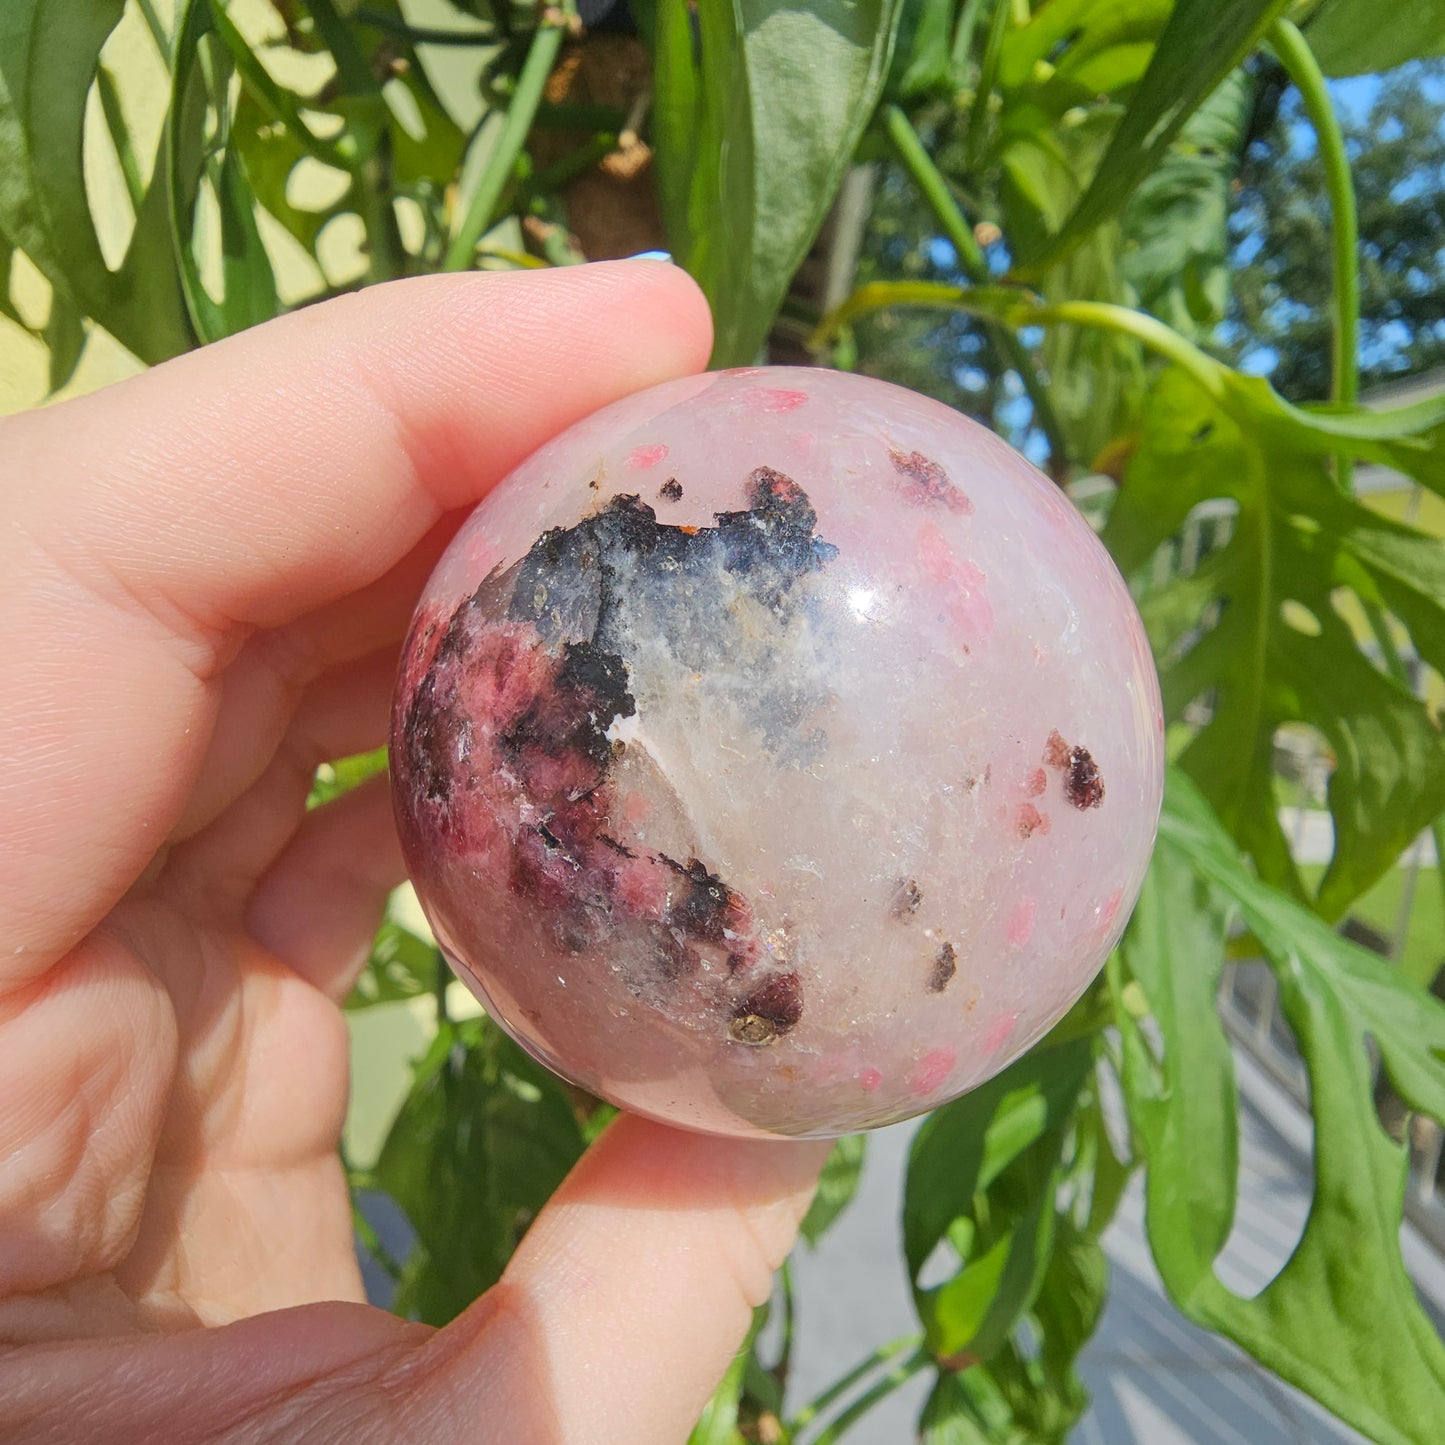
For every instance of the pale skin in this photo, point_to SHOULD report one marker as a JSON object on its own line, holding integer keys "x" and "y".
{"x": 204, "y": 578}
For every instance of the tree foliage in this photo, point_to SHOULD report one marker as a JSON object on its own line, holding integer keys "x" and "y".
{"x": 1279, "y": 235}
{"x": 1080, "y": 205}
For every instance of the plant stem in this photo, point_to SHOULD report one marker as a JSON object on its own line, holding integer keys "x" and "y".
{"x": 785, "y": 1357}
{"x": 575, "y": 115}
{"x": 371, "y": 171}
{"x": 423, "y": 34}
{"x": 1303, "y": 69}
{"x": 963, "y": 36}
{"x": 386, "y": 256}
{"x": 554, "y": 177}
{"x": 541, "y": 56}
{"x": 987, "y": 79}
{"x": 879, "y": 1391}
{"x": 280, "y": 104}
{"x": 841, "y": 1386}
{"x": 157, "y": 30}
{"x": 1155, "y": 335}
{"x": 933, "y": 186}
{"x": 352, "y": 69}
{"x": 120, "y": 135}
{"x": 440, "y": 980}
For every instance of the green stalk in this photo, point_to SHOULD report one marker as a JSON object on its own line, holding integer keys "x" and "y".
{"x": 424, "y": 34}
{"x": 156, "y": 28}
{"x": 554, "y": 177}
{"x": 440, "y": 980}
{"x": 120, "y": 135}
{"x": 1303, "y": 69}
{"x": 996, "y": 303}
{"x": 934, "y": 189}
{"x": 841, "y": 1386}
{"x": 1159, "y": 338}
{"x": 899, "y": 1375}
{"x": 541, "y": 57}
{"x": 371, "y": 171}
{"x": 352, "y": 68}
{"x": 987, "y": 80}
{"x": 280, "y": 104}
{"x": 386, "y": 256}
{"x": 963, "y": 36}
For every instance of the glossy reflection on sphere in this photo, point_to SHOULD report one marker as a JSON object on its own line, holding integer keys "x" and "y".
{"x": 777, "y": 752}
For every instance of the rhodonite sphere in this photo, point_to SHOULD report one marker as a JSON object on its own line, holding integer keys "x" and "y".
{"x": 776, "y": 752}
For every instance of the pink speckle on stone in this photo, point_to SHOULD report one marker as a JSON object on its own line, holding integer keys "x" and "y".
{"x": 869, "y": 1079}
{"x": 774, "y": 400}
{"x": 635, "y": 808}
{"x": 960, "y": 582}
{"x": 1021, "y": 922}
{"x": 648, "y": 456}
{"x": 1110, "y": 910}
{"x": 1035, "y": 783}
{"x": 932, "y": 1072}
{"x": 1041, "y": 654}
{"x": 831, "y": 1068}
{"x": 998, "y": 1034}
{"x": 1031, "y": 821}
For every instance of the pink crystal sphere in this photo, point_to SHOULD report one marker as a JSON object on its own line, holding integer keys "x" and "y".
{"x": 777, "y": 752}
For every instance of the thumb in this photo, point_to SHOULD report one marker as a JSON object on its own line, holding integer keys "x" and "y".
{"x": 631, "y": 1292}
{"x": 616, "y": 1319}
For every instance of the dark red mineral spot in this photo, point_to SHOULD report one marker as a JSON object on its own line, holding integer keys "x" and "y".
{"x": 922, "y": 482}
{"x": 1083, "y": 786}
{"x": 768, "y": 1011}
{"x": 945, "y": 965}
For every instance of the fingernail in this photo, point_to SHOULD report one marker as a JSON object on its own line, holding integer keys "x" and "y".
{"x": 650, "y": 256}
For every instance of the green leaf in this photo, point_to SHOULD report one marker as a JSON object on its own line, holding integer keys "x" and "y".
{"x": 1201, "y": 43}
{"x": 198, "y": 146}
{"x": 922, "y": 55}
{"x": 718, "y": 1424}
{"x": 758, "y": 114}
{"x": 1290, "y": 589}
{"x": 49, "y": 53}
{"x": 1341, "y": 1319}
{"x": 1174, "y": 223}
{"x": 7, "y": 306}
{"x": 1029, "y": 1394}
{"x": 983, "y": 1174}
{"x": 65, "y": 335}
{"x": 1073, "y": 51}
{"x": 948, "y": 1417}
{"x": 477, "y": 1148}
{"x": 343, "y": 774}
{"x": 1351, "y": 37}
{"x": 401, "y": 966}
{"x": 836, "y": 1187}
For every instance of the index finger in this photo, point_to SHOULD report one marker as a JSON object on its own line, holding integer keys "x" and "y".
{"x": 158, "y": 523}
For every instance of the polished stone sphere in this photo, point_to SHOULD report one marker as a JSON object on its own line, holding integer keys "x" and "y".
{"x": 776, "y": 752}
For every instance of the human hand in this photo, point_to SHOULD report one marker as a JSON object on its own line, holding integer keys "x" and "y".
{"x": 204, "y": 578}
